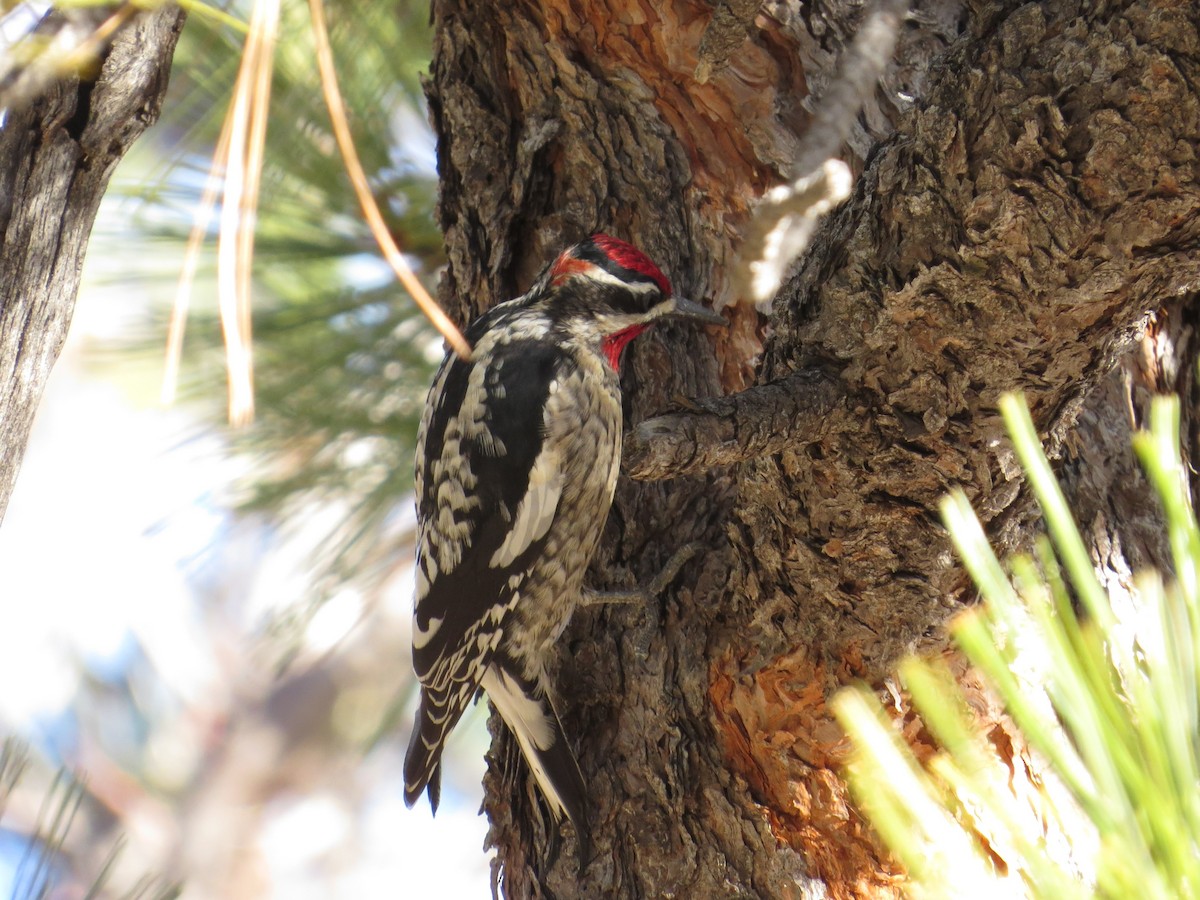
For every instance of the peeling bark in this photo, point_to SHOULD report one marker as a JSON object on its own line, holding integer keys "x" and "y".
{"x": 1015, "y": 229}
{"x": 56, "y": 156}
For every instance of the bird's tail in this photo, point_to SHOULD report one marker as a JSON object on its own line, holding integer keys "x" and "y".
{"x": 436, "y": 717}
{"x": 530, "y": 715}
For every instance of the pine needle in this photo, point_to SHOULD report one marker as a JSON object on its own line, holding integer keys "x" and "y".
{"x": 237, "y": 170}
{"x": 362, "y": 188}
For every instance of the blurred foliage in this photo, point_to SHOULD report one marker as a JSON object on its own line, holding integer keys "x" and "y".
{"x": 1104, "y": 688}
{"x": 197, "y": 765}
{"x": 46, "y": 863}
{"x": 342, "y": 358}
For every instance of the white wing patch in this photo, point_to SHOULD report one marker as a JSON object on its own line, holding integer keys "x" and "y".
{"x": 422, "y": 636}
{"x": 535, "y": 514}
{"x": 531, "y": 723}
{"x": 528, "y": 717}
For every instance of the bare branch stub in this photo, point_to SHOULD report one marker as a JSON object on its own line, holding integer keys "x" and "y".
{"x": 719, "y": 432}
{"x": 784, "y": 221}
{"x": 783, "y": 224}
{"x": 864, "y": 63}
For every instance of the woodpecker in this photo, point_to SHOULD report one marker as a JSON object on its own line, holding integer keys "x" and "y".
{"x": 517, "y": 459}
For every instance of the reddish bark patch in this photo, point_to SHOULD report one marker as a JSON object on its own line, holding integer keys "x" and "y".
{"x": 739, "y": 346}
{"x": 729, "y": 127}
{"x": 779, "y": 734}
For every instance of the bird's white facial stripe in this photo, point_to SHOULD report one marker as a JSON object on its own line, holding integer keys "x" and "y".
{"x": 535, "y": 514}
{"x": 606, "y": 324}
{"x": 665, "y": 308}
{"x": 604, "y": 276}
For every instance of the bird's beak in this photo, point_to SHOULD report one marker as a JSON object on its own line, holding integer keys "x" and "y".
{"x": 686, "y": 309}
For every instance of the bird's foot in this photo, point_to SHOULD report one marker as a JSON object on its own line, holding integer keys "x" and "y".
{"x": 647, "y": 593}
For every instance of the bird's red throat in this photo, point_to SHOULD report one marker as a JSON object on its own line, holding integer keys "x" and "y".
{"x": 614, "y": 343}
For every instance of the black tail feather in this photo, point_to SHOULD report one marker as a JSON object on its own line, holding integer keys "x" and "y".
{"x": 423, "y": 761}
{"x": 531, "y": 717}
{"x": 562, "y": 768}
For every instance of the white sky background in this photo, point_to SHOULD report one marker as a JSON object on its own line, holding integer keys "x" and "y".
{"x": 114, "y": 507}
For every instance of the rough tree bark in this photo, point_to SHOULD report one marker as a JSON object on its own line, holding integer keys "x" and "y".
{"x": 57, "y": 152}
{"x": 1015, "y": 227}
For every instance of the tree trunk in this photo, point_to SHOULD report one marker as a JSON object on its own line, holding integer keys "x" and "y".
{"x": 56, "y": 155}
{"x": 1014, "y": 230}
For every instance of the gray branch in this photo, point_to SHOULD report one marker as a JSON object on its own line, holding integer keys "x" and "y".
{"x": 719, "y": 432}
{"x": 57, "y": 152}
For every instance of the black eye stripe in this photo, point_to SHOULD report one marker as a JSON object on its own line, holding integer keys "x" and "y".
{"x": 589, "y": 252}
{"x": 626, "y": 302}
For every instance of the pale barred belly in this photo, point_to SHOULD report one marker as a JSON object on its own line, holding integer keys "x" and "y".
{"x": 551, "y": 590}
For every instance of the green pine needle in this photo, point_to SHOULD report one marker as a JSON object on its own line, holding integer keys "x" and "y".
{"x": 1105, "y": 693}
